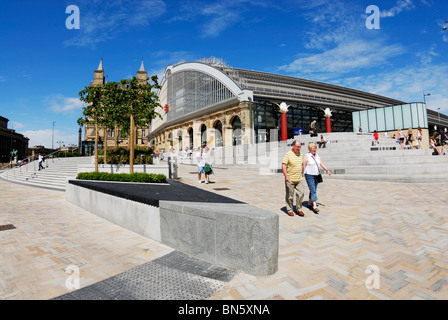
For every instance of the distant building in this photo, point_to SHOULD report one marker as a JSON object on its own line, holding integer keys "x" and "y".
{"x": 113, "y": 136}
{"x": 10, "y": 140}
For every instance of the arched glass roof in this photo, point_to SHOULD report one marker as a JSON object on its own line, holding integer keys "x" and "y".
{"x": 196, "y": 86}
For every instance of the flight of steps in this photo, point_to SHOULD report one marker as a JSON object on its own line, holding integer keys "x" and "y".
{"x": 352, "y": 156}
{"x": 57, "y": 171}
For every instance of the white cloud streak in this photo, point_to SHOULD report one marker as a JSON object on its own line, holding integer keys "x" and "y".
{"x": 60, "y": 104}
{"x": 400, "y": 6}
{"x": 345, "y": 58}
{"x": 103, "y": 21}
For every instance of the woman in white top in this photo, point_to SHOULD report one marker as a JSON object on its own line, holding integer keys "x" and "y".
{"x": 202, "y": 160}
{"x": 419, "y": 137}
{"x": 312, "y": 162}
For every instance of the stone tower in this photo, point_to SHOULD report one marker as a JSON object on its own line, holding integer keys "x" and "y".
{"x": 98, "y": 76}
{"x": 142, "y": 75}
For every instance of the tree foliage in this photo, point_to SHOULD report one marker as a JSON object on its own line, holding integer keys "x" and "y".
{"x": 129, "y": 104}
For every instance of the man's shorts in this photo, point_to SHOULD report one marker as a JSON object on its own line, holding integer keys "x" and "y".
{"x": 201, "y": 170}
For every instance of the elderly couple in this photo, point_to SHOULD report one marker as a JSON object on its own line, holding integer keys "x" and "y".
{"x": 296, "y": 167}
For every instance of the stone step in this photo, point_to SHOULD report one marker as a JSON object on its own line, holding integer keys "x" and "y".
{"x": 408, "y": 178}
{"x": 55, "y": 175}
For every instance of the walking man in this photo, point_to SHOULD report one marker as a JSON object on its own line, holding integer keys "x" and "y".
{"x": 40, "y": 159}
{"x": 292, "y": 167}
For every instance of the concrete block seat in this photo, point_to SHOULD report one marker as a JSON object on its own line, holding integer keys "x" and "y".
{"x": 211, "y": 227}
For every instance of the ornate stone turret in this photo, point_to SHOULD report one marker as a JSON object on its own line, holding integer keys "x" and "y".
{"x": 98, "y": 76}
{"x": 142, "y": 75}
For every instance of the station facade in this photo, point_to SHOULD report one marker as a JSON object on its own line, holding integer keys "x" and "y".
{"x": 209, "y": 103}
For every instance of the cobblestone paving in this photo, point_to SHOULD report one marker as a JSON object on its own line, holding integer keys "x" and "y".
{"x": 398, "y": 230}
{"x": 370, "y": 240}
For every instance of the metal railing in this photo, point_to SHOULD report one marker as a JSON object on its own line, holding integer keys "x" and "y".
{"x": 27, "y": 165}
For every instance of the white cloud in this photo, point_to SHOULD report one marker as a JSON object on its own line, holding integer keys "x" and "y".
{"x": 407, "y": 84}
{"x": 100, "y": 22}
{"x": 346, "y": 57}
{"x": 2, "y": 79}
{"x": 48, "y": 139}
{"x": 400, "y": 6}
{"x": 60, "y": 104}
{"x": 16, "y": 125}
{"x": 217, "y": 16}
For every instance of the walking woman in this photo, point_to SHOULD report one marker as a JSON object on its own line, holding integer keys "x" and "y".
{"x": 312, "y": 162}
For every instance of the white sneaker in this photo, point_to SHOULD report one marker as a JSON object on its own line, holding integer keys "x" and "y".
{"x": 206, "y": 182}
{"x": 200, "y": 181}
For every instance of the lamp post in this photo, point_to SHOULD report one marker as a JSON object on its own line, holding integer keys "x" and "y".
{"x": 438, "y": 114}
{"x": 424, "y": 96}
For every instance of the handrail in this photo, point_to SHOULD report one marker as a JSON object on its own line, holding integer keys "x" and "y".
{"x": 29, "y": 160}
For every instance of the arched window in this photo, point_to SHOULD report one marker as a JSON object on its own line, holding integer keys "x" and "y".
{"x": 203, "y": 135}
{"x": 218, "y": 134}
{"x": 190, "y": 137}
{"x": 179, "y": 137}
{"x": 236, "y": 131}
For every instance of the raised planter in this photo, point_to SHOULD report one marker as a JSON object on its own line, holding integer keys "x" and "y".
{"x": 208, "y": 226}
{"x": 124, "y": 168}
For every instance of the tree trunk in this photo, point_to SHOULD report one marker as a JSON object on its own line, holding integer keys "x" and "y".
{"x": 105, "y": 145}
{"x": 131, "y": 146}
{"x": 96, "y": 146}
{"x": 116, "y": 136}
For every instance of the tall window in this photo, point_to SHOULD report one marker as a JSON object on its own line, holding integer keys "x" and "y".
{"x": 236, "y": 131}
{"x": 218, "y": 134}
{"x": 189, "y": 91}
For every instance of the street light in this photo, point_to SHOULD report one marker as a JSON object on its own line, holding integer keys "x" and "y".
{"x": 438, "y": 113}
{"x": 52, "y": 137}
{"x": 424, "y": 95}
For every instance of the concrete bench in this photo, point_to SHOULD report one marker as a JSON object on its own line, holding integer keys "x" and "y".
{"x": 211, "y": 227}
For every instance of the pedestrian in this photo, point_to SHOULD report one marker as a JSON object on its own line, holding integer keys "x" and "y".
{"x": 312, "y": 162}
{"x": 433, "y": 143}
{"x": 202, "y": 160}
{"x": 442, "y": 138}
{"x": 375, "y": 136}
{"x": 410, "y": 138}
{"x": 292, "y": 167}
{"x": 419, "y": 137}
{"x": 401, "y": 137}
{"x": 313, "y": 129}
{"x": 40, "y": 159}
{"x": 322, "y": 142}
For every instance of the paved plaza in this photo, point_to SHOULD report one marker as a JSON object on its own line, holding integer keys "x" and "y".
{"x": 370, "y": 240}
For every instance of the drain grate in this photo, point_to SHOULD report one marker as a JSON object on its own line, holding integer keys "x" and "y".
{"x": 221, "y": 189}
{"x": 7, "y": 227}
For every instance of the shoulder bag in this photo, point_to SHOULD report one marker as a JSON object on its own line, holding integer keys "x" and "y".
{"x": 319, "y": 176}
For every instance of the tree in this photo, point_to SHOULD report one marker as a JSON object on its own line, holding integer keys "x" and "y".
{"x": 93, "y": 112}
{"x": 139, "y": 103}
{"x": 113, "y": 101}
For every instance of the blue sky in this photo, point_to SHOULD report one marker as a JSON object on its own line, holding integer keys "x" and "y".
{"x": 44, "y": 65}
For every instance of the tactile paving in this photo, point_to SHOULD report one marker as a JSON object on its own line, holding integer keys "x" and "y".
{"x": 175, "y": 276}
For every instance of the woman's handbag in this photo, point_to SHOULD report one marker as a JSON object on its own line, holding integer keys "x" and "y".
{"x": 319, "y": 176}
{"x": 208, "y": 169}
